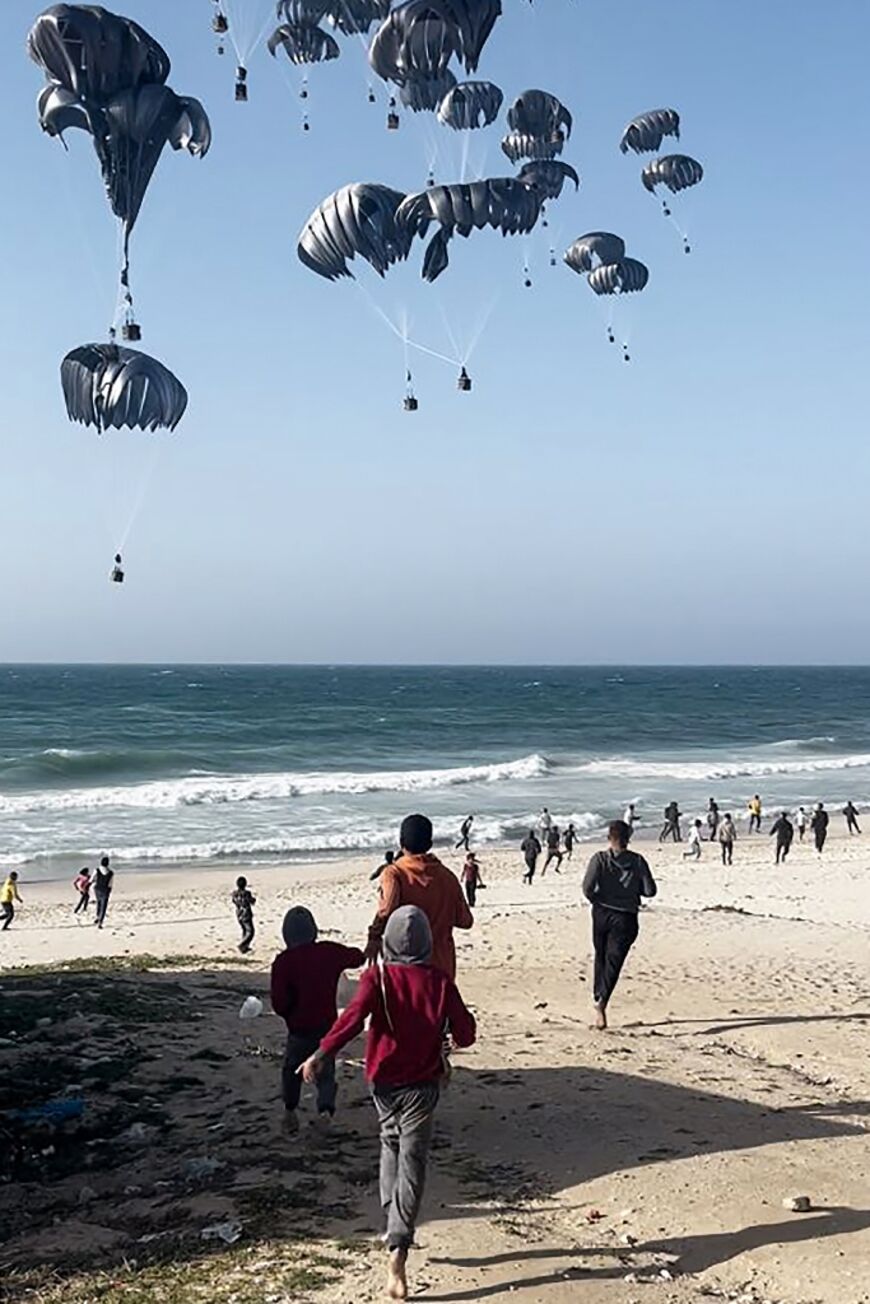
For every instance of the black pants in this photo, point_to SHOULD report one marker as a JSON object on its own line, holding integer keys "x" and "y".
{"x": 463, "y": 842}
{"x": 530, "y": 870}
{"x": 671, "y": 830}
{"x": 301, "y": 1045}
{"x": 553, "y": 854}
{"x": 782, "y": 850}
{"x": 102, "y": 901}
{"x": 471, "y": 893}
{"x": 8, "y": 914}
{"x": 821, "y": 835}
{"x": 246, "y": 923}
{"x": 852, "y": 824}
{"x": 727, "y": 852}
{"x": 84, "y": 902}
{"x": 754, "y": 823}
{"x": 614, "y": 932}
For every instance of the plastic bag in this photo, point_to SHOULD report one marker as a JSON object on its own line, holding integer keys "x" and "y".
{"x": 252, "y": 1008}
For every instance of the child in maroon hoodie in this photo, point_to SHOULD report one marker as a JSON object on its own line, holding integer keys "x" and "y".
{"x": 304, "y": 983}
{"x": 412, "y": 1007}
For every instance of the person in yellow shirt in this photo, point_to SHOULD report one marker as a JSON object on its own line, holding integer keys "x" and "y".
{"x": 8, "y": 897}
{"x": 755, "y": 814}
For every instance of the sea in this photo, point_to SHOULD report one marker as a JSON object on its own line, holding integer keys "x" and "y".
{"x": 166, "y": 765}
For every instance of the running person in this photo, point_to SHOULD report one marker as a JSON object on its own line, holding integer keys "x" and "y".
{"x": 615, "y": 882}
{"x": 531, "y": 849}
{"x": 554, "y": 850}
{"x": 783, "y": 831}
{"x": 819, "y": 825}
{"x": 464, "y": 842}
{"x": 851, "y": 813}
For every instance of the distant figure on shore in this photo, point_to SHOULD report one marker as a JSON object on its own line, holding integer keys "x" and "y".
{"x": 693, "y": 850}
{"x": 545, "y": 823}
{"x": 103, "y": 881}
{"x": 531, "y": 849}
{"x": 801, "y": 823}
{"x": 630, "y": 817}
{"x": 554, "y": 850}
{"x": 615, "y": 881}
{"x": 727, "y": 838}
{"x": 851, "y": 813}
{"x": 569, "y": 837}
{"x": 389, "y": 857}
{"x": 117, "y": 575}
{"x": 671, "y": 827}
{"x": 244, "y": 902}
{"x": 8, "y": 897}
{"x": 465, "y": 834}
{"x": 304, "y": 983}
{"x": 783, "y": 830}
{"x": 712, "y": 819}
{"x": 410, "y": 1004}
{"x": 82, "y": 884}
{"x": 471, "y": 879}
{"x": 819, "y": 825}
{"x": 755, "y": 814}
{"x": 417, "y": 878}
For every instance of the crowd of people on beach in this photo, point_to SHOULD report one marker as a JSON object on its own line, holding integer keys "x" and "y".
{"x": 407, "y": 992}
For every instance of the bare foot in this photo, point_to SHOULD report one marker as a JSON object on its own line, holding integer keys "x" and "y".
{"x": 600, "y": 1018}
{"x": 397, "y": 1282}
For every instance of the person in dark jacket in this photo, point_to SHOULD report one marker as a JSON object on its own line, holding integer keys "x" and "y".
{"x": 783, "y": 831}
{"x": 819, "y": 825}
{"x": 389, "y": 857}
{"x": 244, "y": 902}
{"x": 569, "y": 837}
{"x": 554, "y": 849}
{"x": 304, "y": 984}
{"x": 531, "y": 849}
{"x": 671, "y": 828}
{"x": 103, "y": 882}
{"x": 712, "y": 819}
{"x": 410, "y": 1004}
{"x": 615, "y": 882}
{"x": 850, "y": 810}
{"x": 464, "y": 842}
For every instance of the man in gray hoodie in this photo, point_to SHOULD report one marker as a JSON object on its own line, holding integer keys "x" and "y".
{"x": 615, "y": 882}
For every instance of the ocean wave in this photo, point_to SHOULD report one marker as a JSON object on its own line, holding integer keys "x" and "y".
{"x": 625, "y": 768}
{"x": 374, "y": 838}
{"x": 196, "y": 790}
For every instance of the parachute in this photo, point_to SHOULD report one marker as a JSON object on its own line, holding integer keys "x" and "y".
{"x": 676, "y": 171}
{"x": 107, "y": 76}
{"x": 645, "y": 133}
{"x": 302, "y": 13}
{"x": 105, "y": 385}
{"x": 303, "y": 44}
{"x": 358, "y": 219}
{"x": 504, "y": 203}
{"x": 414, "y": 43}
{"x": 593, "y": 250}
{"x": 426, "y": 93}
{"x": 548, "y": 176}
{"x": 355, "y": 17}
{"x": 539, "y": 126}
{"x": 470, "y": 104}
{"x": 628, "y": 276}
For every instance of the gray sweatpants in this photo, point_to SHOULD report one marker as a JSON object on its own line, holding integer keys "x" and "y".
{"x": 406, "y": 1116}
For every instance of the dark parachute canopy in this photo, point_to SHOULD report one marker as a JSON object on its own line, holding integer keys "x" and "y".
{"x": 470, "y": 104}
{"x": 625, "y": 277}
{"x": 423, "y": 94}
{"x": 355, "y": 17}
{"x": 107, "y": 76}
{"x": 645, "y": 133}
{"x": 504, "y": 203}
{"x": 539, "y": 126}
{"x": 417, "y": 39}
{"x": 303, "y": 44}
{"x": 106, "y": 385}
{"x": 548, "y": 176}
{"x": 595, "y": 249}
{"x": 676, "y": 171}
{"x": 359, "y": 219}
{"x": 302, "y": 13}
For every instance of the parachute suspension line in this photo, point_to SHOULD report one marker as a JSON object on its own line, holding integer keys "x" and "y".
{"x": 142, "y": 493}
{"x": 245, "y": 37}
{"x": 482, "y": 324}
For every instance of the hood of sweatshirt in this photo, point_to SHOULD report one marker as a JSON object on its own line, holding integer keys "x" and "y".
{"x": 407, "y": 937}
{"x": 299, "y": 927}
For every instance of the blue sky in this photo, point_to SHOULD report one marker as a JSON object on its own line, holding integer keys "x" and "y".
{"x": 706, "y": 503}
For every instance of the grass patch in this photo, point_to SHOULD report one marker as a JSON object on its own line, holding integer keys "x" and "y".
{"x": 244, "y": 1275}
{"x": 113, "y": 964}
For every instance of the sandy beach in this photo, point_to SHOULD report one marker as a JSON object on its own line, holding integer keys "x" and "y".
{"x": 648, "y": 1162}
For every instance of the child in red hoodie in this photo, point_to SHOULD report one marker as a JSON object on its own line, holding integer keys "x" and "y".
{"x": 304, "y": 983}
{"x": 412, "y": 1007}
